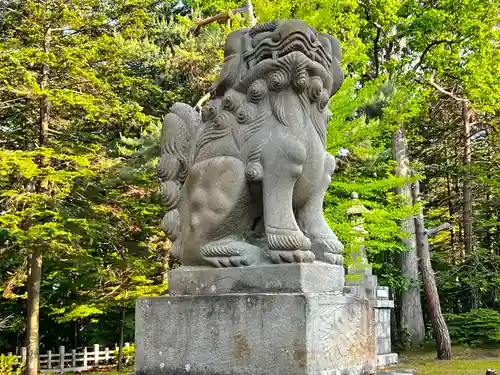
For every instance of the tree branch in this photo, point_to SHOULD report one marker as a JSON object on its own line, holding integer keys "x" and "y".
{"x": 375, "y": 52}
{"x": 202, "y": 101}
{"x": 253, "y": 19}
{"x": 443, "y": 91}
{"x": 377, "y": 36}
{"x": 4, "y": 322}
{"x": 433, "y": 231}
{"x": 434, "y": 44}
{"x": 4, "y": 106}
{"x": 219, "y": 17}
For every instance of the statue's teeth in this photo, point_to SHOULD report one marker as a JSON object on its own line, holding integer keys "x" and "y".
{"x": 274, "y": 55}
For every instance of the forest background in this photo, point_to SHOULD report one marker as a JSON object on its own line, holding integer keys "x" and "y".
{"x": 83, "y": 88}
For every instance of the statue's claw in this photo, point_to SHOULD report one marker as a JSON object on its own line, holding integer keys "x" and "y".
{"x": 336, "y": 259}
{"x": 235, "y": 261}
{"x": 287, "y": 256}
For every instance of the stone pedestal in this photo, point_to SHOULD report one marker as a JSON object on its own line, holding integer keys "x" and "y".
{"x": 296, "y": 332}
{"x": 267, "y": 278}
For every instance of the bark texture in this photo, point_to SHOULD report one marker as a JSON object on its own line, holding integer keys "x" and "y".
{"x": 33, "y": 339}
{"x": 120, "y": 345}
{"x": 443, "y": 340}
{"x": 412, "y": 322}
{"x": 467, "y": 195}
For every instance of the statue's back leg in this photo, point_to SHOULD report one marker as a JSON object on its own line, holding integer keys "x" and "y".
{"x": 325, "y": 244}
{"x": 218, "y": 204}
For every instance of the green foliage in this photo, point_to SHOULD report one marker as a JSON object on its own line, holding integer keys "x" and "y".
{"x": 98, "y": 230}
{"x": 8, "y": 365}
{"x": 89, "y": 198}
{"x": 479, "y": 327}
{"x": 364, "y": 166}
{"x": 128, "y": 353}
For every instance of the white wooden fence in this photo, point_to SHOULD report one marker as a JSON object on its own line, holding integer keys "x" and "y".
{"x": 75, "y": 360}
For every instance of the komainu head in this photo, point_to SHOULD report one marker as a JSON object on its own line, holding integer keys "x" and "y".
{"x": 291, "y": 43}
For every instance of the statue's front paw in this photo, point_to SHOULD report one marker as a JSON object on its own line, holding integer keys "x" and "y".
{"x": 230, "y": 253}
{"x": 288, "y": 246}
{"x": 330, "y": 248}
{"x": 330, "y": 244}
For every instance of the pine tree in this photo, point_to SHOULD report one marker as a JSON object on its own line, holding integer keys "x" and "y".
{"x": 110, "y": 82}
{"x": 61, "y": 73}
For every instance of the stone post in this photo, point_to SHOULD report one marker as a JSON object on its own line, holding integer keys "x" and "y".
{"x": 383, "y": 308}
{"x": 23, "y": 355}
{"x": 49, "y": 359}
{"x": 62, "y": 357}
{"x": 85, "y": 359}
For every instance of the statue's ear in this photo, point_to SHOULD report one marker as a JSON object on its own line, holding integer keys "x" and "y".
{"x": 334, "y": 47}
{"x": 234, "y": 43}
{"x": 234, "y": 47}
{"x": 338, "y": 76}
{"x": 264, "y": 27}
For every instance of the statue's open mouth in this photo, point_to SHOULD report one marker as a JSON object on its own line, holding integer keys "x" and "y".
{"x": 277, "y": 47}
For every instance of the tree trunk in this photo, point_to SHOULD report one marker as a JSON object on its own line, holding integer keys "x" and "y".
{"x": 19, "y": 342}
{"x": 412, "y": 321}
{"x": 120, "y": 344}
{"x": 43, "y": 120}
{"x": 467, "y": 186}
{"x": 451, "y": 210}
{"x": 467, "y": 194}
{"x": 443, "y": 340}
{"x": 75, "y": 334}
{"x": 36, "y": 257}
{"x": 33, "y": 337}
{"x": 253, "y": 20}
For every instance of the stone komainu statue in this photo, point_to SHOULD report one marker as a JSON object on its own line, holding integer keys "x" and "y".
{"x": 244, "y": 182}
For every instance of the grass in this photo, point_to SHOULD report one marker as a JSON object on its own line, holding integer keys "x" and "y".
{"x": 110, "y": 370}
{"x": 466, "y": 361}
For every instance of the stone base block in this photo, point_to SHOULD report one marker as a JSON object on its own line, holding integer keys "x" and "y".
{"x": 384, "y": 360}
{"x": 273, "y": 278}
{"x": 255, "y": 334}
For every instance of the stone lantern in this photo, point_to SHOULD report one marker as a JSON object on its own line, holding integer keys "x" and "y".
{"x": 355, "y": 212}
{"x": 365, "y": 285}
